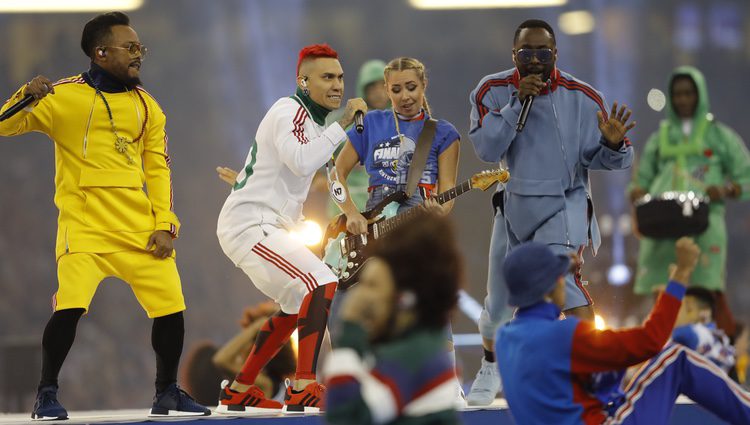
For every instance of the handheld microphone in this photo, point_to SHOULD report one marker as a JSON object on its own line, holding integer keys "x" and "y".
{"x": 525, "y": 108}
{"x": 26, "y": 101}
{"x": 359, "y": 125}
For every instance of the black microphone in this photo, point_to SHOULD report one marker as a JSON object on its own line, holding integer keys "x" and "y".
{"x": 525, "y": 108}
{"x": 359, "y": 125}
{"x": 26, "y": 101}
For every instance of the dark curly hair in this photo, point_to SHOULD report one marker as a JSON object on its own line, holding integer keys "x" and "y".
{"x": 423, "y": 257}
{"x": 99, "y": 28}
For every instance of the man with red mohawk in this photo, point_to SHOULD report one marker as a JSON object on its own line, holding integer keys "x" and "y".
{"x": 254, "y": 226}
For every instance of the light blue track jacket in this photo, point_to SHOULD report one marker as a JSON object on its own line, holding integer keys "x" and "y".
{"x": 547, "y": 198}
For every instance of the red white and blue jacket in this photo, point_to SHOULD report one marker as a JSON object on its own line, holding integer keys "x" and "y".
{"x": 552, "y": 368}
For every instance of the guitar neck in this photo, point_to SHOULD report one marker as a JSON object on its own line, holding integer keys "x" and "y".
{"x": 455, "y": 192}
{"x": 391, "y": 223}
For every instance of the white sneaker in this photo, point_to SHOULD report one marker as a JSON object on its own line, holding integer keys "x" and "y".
{"x": 460, "y": 403}
{"x": 485, "y": 386}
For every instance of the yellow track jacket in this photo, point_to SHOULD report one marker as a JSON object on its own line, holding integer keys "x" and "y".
{"x": 101, "y": 198}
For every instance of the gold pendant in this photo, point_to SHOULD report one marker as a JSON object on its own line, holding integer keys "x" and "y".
{"x": 121, "y": 144}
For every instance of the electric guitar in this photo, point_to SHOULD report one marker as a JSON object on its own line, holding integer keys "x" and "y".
{"x": 352, "y": 257}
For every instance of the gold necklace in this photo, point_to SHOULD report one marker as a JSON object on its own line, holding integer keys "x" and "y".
{"x": 122, "y": 142}
{"x": 400, "y": 137}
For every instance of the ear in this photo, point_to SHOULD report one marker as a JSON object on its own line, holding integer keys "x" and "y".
{"x": 302, "y": 81}
{"x": 406, "y": 300}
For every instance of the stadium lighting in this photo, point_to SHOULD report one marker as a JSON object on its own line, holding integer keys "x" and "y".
{"x": 294, "y": 340}
{"x": 618, "y": 275}
{"x": 483, "y": 4}
{"x": 576, "y": 22}
{"x": 599, "y": 323}
{"x": 67, "y": 6}
{"x": 309, "y": 233}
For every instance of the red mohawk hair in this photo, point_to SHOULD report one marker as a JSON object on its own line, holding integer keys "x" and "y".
{"x": 315, "y": 51}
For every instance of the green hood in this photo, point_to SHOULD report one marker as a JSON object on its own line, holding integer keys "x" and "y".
{"x": 370, "y": 72}
{"x": 670, "y": 129}
{"x": 702, "y": 108}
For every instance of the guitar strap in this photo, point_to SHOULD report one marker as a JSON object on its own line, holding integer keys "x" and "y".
{"x": 419, "y": 159}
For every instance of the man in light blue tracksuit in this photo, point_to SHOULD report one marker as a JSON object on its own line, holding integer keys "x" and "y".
{"x": 568, "y": 132}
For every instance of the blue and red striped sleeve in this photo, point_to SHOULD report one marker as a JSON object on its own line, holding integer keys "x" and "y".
{"x": 601, "y": 350}
{"x": 482, "y": 91}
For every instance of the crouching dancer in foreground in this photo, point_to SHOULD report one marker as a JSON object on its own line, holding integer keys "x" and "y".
{"x": 568, "y": 372}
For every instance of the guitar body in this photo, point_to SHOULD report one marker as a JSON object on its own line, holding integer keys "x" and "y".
{"x": 336, "y": 232}
{"x": 353, "y": 253}
{"x": 350, "y": 258}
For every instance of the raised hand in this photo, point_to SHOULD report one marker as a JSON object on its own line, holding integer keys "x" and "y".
{"x": 687, "y": 254}
{"x": 616, "y": 125}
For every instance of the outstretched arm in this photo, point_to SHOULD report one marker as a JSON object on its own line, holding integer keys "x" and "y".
{"x": 597, "y": 351}
{"x": 605, "y": 146}
{"x": 37, "y": 117}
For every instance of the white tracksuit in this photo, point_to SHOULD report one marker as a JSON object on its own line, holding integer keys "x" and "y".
{"x": 268, "y": 196}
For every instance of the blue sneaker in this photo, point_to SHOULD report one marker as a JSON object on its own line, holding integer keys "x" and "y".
{"x": 46, "y": 406}
{"x": 175, "y": 402}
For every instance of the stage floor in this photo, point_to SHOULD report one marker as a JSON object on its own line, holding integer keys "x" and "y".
{"x": 686, "y": 413}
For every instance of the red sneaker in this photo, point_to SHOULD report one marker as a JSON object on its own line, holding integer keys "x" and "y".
{"x": 309, "y": 400}
{"x": 251, "y": 401}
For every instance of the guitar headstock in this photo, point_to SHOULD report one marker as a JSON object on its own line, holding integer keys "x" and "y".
{"x": 487, "y": 178}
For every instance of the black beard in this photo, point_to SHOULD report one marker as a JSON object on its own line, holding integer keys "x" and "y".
{"x": 132, "y": 82}
{"x": 127, "y": 81}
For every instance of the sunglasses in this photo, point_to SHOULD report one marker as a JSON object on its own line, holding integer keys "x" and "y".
{"x": 134, "y": 49}
{"x": 525, "y": 56}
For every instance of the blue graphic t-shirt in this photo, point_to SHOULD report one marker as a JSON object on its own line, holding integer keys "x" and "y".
{"x": 380, "y": 151}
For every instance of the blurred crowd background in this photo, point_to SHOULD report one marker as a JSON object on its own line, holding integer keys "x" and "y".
{"x": 217, "y": 66}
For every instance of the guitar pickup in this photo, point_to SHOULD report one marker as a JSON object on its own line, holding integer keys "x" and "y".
{"x": 363, "y": 238}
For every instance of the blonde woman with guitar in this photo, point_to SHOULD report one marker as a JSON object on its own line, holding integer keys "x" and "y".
{"x": 410, "y": 158}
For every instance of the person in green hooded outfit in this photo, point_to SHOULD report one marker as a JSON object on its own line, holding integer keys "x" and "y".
{"x": 691, "y": 151}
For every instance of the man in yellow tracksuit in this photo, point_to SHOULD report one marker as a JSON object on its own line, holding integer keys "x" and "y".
{"x": 109, "y": 137}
